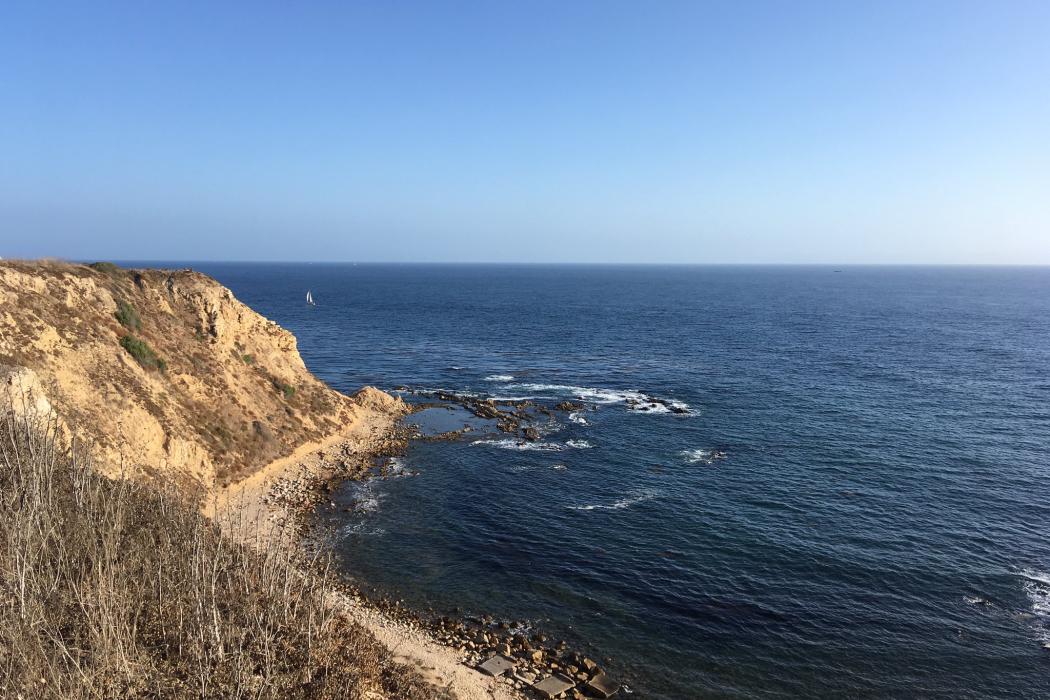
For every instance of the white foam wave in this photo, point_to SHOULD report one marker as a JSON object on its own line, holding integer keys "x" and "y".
{"x": 365, "y": 498}
{"x": 395, "y": 467}
{"x": 361, "y": 529}
{"x": 597, "y": 395}
{"x": 650, "y": 408}
{"x": 1036, "y": 576}
{"x": 637, "y": 401}
{"x": 625, "y": 502}
{"x": 647, "y": 405}
{"x": 369, "y": 504}
{"x": 511, "y": 444}
{"x": 432, "y": 391}
{"x": 559, "y": 467}
{"x": 525, "y": 445}
{"x": 522, "y": 628}
{"x": 499, "y": 378}
{"x": 577, "y": 418}
{"x": 1036, "y": 586}
{"x": 702, "y": 456}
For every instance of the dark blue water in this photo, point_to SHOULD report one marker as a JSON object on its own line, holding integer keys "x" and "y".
{"x": 857, "y": 503}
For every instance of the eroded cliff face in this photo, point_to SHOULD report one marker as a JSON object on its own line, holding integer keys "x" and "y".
{"x": 223, "y": 393}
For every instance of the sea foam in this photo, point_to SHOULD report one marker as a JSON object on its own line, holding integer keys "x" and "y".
{"x": 597, "y": 395}
{"x": 365, "y": 498}
{"x": 647, "y": 405}
{"x": 525, "y": 445}
{"x": 512, "y": 444}
{"x": 625, "y": 502}
{"x": 1036, "y": 585}
{"x": 637, "y": 401}
{"x": 702, "y": 456}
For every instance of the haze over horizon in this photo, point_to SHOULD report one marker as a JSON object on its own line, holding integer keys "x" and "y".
{"x": 470, "y": 132}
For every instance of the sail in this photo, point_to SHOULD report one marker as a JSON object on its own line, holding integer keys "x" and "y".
{"x": 309, "y": 297}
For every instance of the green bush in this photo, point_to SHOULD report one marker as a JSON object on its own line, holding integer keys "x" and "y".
{"x": 142, "y": 353}
{"x": 287, "y": 389}
{"x": 128, "y": 317}
{"x": 249, "y": 359}
{"x": 105, "y": 267}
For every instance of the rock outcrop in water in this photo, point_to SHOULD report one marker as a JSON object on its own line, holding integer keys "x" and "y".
{"x": 163, "y": 370}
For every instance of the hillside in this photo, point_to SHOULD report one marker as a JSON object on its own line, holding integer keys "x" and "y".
{"x": 164, "y": 370}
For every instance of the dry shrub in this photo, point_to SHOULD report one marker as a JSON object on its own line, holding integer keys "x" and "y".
{"x": 116, "y": 589}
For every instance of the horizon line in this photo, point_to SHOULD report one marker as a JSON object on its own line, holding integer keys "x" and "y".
{"x": 547, "y": 263}
{"x": 563, "y": 263}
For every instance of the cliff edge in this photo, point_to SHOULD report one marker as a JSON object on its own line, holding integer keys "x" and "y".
{"x": 164, "y": 370}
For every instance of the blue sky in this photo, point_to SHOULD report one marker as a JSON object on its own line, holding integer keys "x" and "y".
{"x": 837, "y": 132}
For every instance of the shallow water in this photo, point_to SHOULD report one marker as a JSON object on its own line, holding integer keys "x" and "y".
{"x": 855, "y": 504}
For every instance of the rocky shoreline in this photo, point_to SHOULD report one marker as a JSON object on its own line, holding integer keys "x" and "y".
{"x": 506, "y": 649}
{"x": 529, "y": 662}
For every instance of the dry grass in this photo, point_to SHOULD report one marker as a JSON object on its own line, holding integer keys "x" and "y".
{"x": 116, "y": 589}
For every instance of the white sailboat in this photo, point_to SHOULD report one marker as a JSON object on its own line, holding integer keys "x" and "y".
{"x": 310, "y": 298}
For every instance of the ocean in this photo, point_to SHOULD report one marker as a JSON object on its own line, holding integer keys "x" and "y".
{"x": 854, "y": 503}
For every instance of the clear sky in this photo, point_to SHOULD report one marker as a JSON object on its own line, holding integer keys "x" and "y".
{"x": 837, "y": 132}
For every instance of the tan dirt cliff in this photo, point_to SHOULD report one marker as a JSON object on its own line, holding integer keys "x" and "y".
{"x": 164, "y": 371}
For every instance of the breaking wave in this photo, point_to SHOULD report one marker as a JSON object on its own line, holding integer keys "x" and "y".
{"x": 361, "y": 529}
{"x": 513, "y": 444}
{"x": 499, "y": 378}
{"x": 364, "y": 498}
{"x": 396, "y": 468}
{"x": 702, "y": 456}
{"x": 1036, "y": 586}
{"x": 625, "y": 502}
{"x": 597, "y": 395}
{"x": 637, "y": 401}
{"x": 648, "y": 405}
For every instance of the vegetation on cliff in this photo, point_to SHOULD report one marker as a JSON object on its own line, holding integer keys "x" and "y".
{"x": 110, "y": 588}
{"x": 142, "y": 352}
{"x": 164, "y": 371}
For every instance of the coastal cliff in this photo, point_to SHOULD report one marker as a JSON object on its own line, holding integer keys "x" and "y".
{"x": 162, "y": 377}
{"x": 163, "y": 371}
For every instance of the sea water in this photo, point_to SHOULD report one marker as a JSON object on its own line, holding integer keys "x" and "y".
{"x": 855, "y": 502}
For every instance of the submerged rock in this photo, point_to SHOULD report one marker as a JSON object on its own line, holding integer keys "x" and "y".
{"x": 569, "y": 406}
